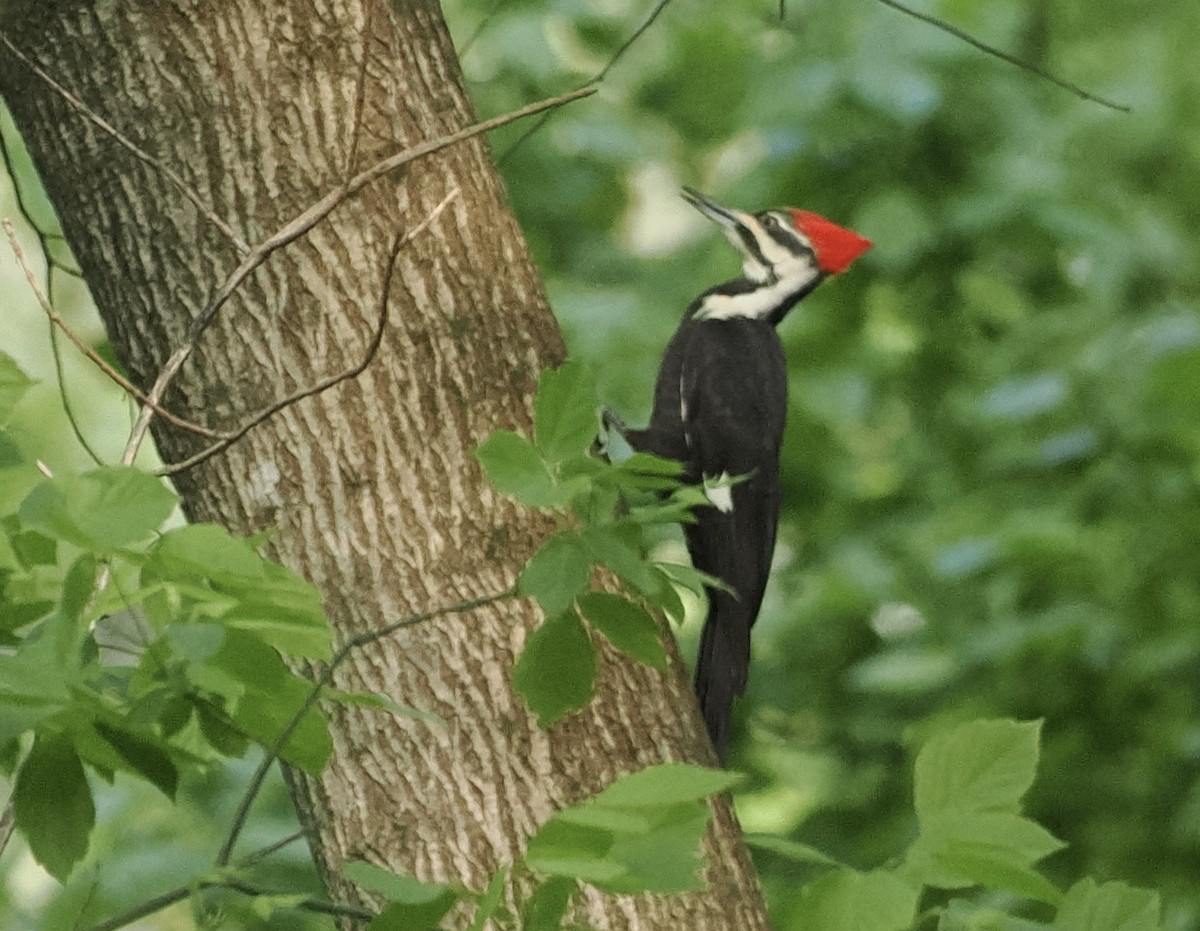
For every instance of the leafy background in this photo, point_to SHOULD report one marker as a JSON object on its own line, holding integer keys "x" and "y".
{"x": 991, "y": 503}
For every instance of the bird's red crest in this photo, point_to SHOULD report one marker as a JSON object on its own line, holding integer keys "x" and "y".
{"x": 836, "y": 246}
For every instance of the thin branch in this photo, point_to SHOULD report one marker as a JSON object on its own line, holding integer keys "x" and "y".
{"x": 600, "y": 76}
{"x": 253, "y": 859}
{"x": 87, "y": 350}
{"x": 8, "y": 821}
{"x": 301, "y": 225}
{"x": 1005, "y": 56}
{"x": 364, "y": 639}
{"x": 60, "y": 372}
{"x": 401, "y": 240}
{"x": 51, "y": 264}
{"x": 633, "y": 37}
{"x": 134, "y": 149}
{"x": 307, "y": 905}
{"x": 483, "y": 24}
{"x": 179, "y": 893}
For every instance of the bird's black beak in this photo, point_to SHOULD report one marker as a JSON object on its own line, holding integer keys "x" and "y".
{"x": 729, "y": 220}
{"x": 739, "y": 228}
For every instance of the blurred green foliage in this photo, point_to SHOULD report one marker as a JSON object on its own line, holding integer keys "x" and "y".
{"x": 991, "y": 501}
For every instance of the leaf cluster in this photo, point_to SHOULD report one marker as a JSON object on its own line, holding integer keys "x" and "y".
{"x": 613, "y": 506}
{"x": 969, "y": 781}
{"x": 134, "y": 647}
{"x": 640, "y": 834}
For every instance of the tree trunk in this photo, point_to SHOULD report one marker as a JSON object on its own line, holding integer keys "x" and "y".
{"x": 370, "y": 488}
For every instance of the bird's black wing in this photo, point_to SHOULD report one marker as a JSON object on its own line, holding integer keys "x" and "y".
{"x": 664, "y": 436}
{"x": 733, "y": 393}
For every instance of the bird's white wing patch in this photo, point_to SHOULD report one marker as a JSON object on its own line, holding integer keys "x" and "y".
{"x": 719, "y": 491}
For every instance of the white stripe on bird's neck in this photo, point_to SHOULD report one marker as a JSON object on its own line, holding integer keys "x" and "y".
{"x": 761, "y": 302}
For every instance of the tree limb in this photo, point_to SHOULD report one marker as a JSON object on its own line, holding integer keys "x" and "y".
{"x": 1005, "y": 56}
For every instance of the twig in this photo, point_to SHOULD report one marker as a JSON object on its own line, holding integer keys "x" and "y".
{"x": 307, "y": 905}
{"x": 364, "y": 639}
{"x": 298, "y": 227}
{"x": 600, "y": 76}
{"x": 483, "y": 23}
{"x": 179, "y": 893}
{"x": 253, "y": 859}
{"x": 1005, "y": 56}
{"x": 51, "y": 264}
{"x": 401, "y": 240}
{"x": 134, "y": 149}
{"x": 633, "y": 37}
{"x": 61, "y": 373}
{"x": 8, "y": 821}
{"x": 87, "y": 350}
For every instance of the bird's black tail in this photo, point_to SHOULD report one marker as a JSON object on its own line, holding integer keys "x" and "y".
{"x": 735, "y": 545}
{"x": 722, "y": 665}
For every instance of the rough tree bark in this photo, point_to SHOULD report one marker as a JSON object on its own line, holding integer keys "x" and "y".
{"x": 371, "y": 488}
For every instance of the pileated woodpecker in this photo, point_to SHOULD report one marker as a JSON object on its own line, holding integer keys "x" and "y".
{"x": 719, "y": 407}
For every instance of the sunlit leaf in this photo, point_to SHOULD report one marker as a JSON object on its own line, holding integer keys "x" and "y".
{"x": 565, "y": 421}
{"x": 102, "y": 510}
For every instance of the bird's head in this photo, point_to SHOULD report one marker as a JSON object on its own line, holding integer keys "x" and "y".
{"x": 786, "y": 253}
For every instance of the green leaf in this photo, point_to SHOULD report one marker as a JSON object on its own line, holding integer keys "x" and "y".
{"x": 556, "y": 671}
{"x": 641, "y": 834}
{"x": 649, "y": 464}
{"x": 414, "y": 905}
{"x": 1113, "y": 906}
{"x": 545, "y": 908}
{"x": 13, "y": 385}
{"x": 558, "y": 572}
{"x": 381, "y": 702}
{"x": 490, "y": 900}
{"x": 143, "y": 755}
{"x": 565, "y": 421}
{"x": 394, "y": 886}
{"x": 102, "y": 510}
{"x": 790, "y": 849}
{"x": 563, "y": 848}
{"x": 628, "y": 626}
{"x": 35, "y": 682}
{"x": 618, "y": 548}
{"x": 997, "y": 867}
{"x": 977, "y": 766}
{"x": 34, "y": 549}
{"x": 264, "y": 906}
{"x": 401, "y": 916}
{"x": 692, "y": 578}
{"x": 846, "y": 900}
{"x": 243, "y": 589}
{"x": 665, "y": 858}
{"x": 955, "y": 849}
{"x": 666, "y": 784}
{"x": 262, "y": 696}
{"x": 53, "y": 805}
{"x": 516, "y": 468}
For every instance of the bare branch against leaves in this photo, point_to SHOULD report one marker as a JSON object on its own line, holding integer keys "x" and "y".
{"x": 56, "y": 319}
{"x": 402, "y": 239}
{"x": 301, "y": 225}
{"x": 52, "y": 263}
{"x": 254, "y": 786}
{"x": 600, "y": 76}
{"x": 1004, "y": 56}
{"x": 125, "y": 142}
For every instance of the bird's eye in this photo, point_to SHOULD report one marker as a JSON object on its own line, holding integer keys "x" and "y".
{"x": 771, "y": 220}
